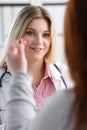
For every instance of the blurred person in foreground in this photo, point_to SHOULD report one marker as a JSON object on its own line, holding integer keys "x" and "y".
{"x": 65, "y": 110}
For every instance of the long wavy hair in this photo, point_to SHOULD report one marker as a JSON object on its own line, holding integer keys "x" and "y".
{"x": 24, "y": 17}
{"x": 75, "y": 35}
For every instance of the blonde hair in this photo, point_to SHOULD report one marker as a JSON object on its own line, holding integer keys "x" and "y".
{"x": 24, "y": 17}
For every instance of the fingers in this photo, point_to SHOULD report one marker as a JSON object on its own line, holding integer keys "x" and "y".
{"x": 16, "y": 47}
{"x": 21, "y": 40}
{"x": 16, "y": 50}
{"x": 20, "y": 46}
{"x": 16, "y": 59}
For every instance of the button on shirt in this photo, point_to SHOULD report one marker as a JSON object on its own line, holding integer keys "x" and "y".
{"x": 44, "y": 89}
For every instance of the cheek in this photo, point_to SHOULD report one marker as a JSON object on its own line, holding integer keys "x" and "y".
{"x": 28, "y": 40}
{"x": 26, "y": 51}
{"x": 48, "y": 44}
{"x": 49, "y": 47}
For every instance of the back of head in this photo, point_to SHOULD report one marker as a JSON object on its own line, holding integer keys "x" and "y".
{"x": 75, "y": 34}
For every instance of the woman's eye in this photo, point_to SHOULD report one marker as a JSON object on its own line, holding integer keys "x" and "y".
{"x": 46, "y": 35}
{"x": 30, "y": 33}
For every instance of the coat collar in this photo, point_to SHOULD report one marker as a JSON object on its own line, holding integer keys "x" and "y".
{"x": 54, "y": 72}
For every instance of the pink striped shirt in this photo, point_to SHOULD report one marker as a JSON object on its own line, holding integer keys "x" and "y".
{"x": 44, "y": 89}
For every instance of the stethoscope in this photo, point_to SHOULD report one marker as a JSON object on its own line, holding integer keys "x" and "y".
{"x": 5, "y": 74}
{"x": 64, "y": 82}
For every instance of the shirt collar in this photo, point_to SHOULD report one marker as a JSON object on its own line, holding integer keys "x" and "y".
{"x": 47, "y": 71}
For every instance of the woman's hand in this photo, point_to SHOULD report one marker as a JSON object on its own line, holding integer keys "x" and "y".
{"x": 16, "y": 59}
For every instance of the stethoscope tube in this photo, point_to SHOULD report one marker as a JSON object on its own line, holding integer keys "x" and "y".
{"x": 2, "y": 76}
{"x": 61, "y": 75}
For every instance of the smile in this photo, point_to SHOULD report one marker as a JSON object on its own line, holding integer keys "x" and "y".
{"x": 36, "y": 49}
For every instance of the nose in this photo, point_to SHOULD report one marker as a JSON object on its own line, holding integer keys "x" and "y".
{"x": 39, "y": 39}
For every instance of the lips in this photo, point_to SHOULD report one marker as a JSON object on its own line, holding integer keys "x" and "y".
{"x": 36, "y": 49}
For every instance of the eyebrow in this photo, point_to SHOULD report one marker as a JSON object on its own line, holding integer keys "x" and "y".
{"x": 35, "y": 30}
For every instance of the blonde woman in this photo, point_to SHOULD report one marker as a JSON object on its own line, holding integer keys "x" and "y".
{"x": 33, "y": 25}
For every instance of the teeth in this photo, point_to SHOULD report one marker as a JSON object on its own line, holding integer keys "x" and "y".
{"x": 37, "y": 49}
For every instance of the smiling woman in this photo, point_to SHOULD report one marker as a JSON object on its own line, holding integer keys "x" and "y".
{"x": 33, "y": 26}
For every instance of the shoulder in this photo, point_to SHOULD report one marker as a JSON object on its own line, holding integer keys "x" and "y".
{"x": 59, "y": 65}
{"x": 62, "y": 67}
{"x": 57, "y": 107}
{"x": 64, "y": 70}
{"x": 66, "y": 74}
{"x": 59, "y": 68}
{"x": 61, "y": 99}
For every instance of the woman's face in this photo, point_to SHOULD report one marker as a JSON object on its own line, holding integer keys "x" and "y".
{"x": 38, "y": 37}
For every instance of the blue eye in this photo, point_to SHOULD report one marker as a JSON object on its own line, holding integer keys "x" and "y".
{"x": 46, "y": 35}
{"x": 30, "y": 33}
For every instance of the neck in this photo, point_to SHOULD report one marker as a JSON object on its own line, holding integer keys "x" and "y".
{"x": 37, "y": 70}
